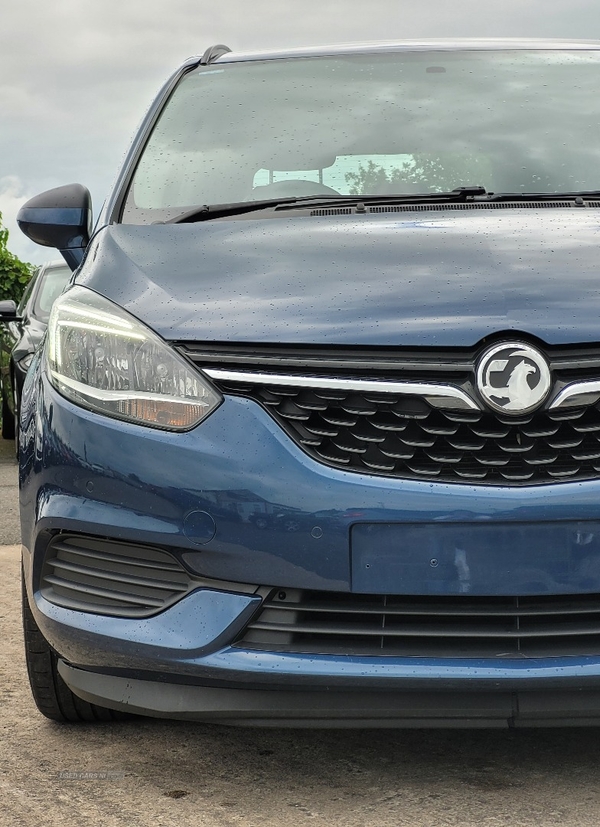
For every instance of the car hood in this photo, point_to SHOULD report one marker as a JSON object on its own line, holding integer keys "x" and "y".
{"x": 445, "y": 278}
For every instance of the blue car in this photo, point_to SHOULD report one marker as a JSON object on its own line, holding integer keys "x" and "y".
{"x": 314, "y": 435}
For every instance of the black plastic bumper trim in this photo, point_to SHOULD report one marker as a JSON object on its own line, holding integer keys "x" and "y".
{"x": 339, "y": 708}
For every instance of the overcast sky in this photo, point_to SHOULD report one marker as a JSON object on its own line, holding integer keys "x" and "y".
{"x": 77, "y": 75}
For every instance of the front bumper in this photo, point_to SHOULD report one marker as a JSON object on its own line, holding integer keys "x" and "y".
{"x": 195, "y": 495}
{"x": 175, "y": 665}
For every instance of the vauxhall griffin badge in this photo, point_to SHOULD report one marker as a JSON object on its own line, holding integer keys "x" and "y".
{"x": 513, "y": 378}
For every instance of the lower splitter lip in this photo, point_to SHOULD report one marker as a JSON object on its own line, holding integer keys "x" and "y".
{"x": 334, "y": 708}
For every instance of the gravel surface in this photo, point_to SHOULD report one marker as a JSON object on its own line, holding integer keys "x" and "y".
{"x": 10, "y": 532}
{"x": 150, "y": 773}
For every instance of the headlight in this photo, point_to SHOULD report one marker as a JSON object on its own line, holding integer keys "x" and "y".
{"x": 100, "y": 357}
{"x": 25, "y": 362}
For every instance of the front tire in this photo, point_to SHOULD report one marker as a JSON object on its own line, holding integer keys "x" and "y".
{"x": 51, "y": 694}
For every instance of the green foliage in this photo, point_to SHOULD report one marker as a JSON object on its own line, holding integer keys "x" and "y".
{"x": 14, "y": 274}
{"x": 422, "y": 173}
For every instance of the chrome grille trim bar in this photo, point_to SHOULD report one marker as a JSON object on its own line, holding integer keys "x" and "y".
{"x": 437, "y": 395}
{"x": 577, "y": 394}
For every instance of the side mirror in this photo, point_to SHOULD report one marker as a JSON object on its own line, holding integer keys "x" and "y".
{"x": 8, "y": 311}
{"x": 60, "y": 218}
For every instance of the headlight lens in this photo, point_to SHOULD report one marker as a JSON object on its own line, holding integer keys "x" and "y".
{"x": 100, "y": 357}
{"x": 25, "y": 362}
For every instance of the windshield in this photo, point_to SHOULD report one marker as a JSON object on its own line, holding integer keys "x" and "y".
{"x": 52, "y": 283}
{"x": 401, "y": 122}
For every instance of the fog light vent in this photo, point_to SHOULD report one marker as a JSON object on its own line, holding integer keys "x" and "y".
{"x": 111, "y": 578}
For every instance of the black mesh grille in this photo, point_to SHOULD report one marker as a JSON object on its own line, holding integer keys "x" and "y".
{"x": 402, "y": 436}
{"x": 352, "y": 624}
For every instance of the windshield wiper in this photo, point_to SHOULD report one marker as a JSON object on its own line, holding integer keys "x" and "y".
{"x": 205, "y": 212}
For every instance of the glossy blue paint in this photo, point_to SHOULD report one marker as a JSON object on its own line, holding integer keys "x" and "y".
{"x": 201, "y": 623}
{"x": 61, "y": 218}
{"x": 421, "y": 279}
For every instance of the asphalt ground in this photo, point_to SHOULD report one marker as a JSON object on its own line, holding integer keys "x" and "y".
{"x": 151, "y": 773}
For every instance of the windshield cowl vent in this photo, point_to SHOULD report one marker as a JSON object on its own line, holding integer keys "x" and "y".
{"x": 472, "y": 205}
{"x": 334, "y": 211}
{"x": 482, "y": 205}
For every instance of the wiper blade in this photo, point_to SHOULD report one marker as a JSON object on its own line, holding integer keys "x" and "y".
{"x": 205, "y": 212}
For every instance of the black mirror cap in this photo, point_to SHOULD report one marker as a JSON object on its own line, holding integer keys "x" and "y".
{"x": 61, "y": 218}
{"x": 8, "y": 311}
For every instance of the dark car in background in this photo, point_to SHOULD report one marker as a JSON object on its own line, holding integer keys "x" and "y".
{"x": 314, "y": 436}
{"x": 22, "y": 328}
